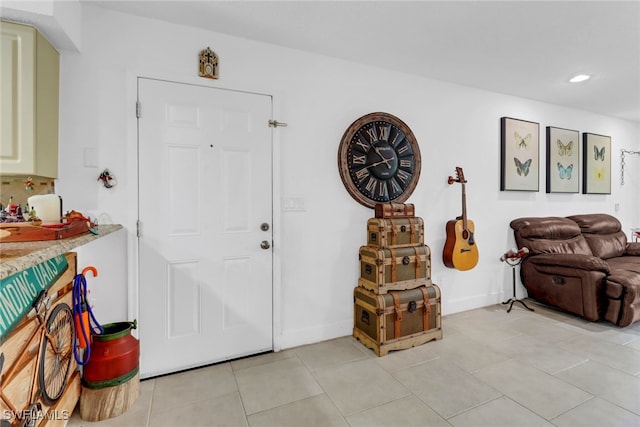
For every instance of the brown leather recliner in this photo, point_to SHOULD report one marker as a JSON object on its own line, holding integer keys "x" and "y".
{"x": 582, "y": 264}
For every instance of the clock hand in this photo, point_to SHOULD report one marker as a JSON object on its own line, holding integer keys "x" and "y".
{"x": 384, "y": 159}
{"x": 376, "y": 164}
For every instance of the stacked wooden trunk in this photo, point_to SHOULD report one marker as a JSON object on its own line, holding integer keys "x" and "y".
{"x": 396, "y": 305}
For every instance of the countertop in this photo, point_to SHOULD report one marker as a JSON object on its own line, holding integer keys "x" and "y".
{"x": 18, "y": 256}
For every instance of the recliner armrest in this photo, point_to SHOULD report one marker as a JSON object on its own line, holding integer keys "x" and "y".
{"x": 579, "y": 261}
{"x": 633, "y": 249}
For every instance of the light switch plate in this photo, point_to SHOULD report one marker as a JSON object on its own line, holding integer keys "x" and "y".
{"x": 293, "y": 204}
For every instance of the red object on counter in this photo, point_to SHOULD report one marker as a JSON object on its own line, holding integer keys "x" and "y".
{"x": 26, "y": 232}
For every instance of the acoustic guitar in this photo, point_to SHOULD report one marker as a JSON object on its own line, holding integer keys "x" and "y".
{"x": 460, "y": 249}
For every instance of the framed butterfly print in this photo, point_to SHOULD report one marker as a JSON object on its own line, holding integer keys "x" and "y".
{"x": 563, "y": 167}
{"x": 519, "y": 155}
{"x": 596, "y": 164}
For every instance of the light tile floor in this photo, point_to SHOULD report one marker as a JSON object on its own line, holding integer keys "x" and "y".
{"x": 492, "y": 368}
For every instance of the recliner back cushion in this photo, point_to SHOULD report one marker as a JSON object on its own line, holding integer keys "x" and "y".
{"x": 603, "y": 233}
{"x": 543, "y": 235}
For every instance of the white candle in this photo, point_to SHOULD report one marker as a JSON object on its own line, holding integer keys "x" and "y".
{"x": 48, "y": 207}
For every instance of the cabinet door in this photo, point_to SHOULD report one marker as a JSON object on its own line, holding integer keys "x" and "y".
{"x": 17, "y": 98}
{"x": 47, "y": 77}
{"x": 29, "y": 93}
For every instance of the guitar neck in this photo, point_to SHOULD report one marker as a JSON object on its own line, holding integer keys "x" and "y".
{"x": 464, "y": 207}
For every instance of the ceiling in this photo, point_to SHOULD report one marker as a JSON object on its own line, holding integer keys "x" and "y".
{"x": 529, "y": 49}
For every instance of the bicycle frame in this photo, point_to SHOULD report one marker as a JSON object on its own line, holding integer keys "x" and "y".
{"x": 40, "y": 311}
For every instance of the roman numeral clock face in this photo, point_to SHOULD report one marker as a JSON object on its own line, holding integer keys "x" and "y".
{"x": 379, "y": 160}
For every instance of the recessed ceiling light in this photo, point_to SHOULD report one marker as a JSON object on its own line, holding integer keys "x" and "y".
{"x": 579, "y": 78}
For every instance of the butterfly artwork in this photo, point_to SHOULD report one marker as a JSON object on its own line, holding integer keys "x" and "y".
{"x": 563, "y": 165}
{"x": 597, "y": 164}
{"x": 522, "y": 168}
{"x": 565, "y": 149}
{"x": 565, "y": 173}
{"x": 522, "y": 142}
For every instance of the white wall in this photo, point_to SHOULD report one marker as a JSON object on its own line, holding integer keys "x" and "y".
{"x": 319, "y": 97}
{"x": 107, "y": 291}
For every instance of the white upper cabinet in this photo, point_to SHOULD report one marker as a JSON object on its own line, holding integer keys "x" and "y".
{"x": 29, "y": 93}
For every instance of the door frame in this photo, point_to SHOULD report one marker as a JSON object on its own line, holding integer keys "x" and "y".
{"x": 133, "y": 309}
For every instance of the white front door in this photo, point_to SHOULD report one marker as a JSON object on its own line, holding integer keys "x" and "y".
{"x": 205, "y": 211}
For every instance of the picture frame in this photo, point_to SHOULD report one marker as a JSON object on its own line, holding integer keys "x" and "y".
{"x": 563, "y": 165}
{"x": 519, "y": 155}
{"x": 596, "y": 164}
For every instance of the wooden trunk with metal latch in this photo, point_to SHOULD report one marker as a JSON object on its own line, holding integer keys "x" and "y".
{"x": 394, "y": 210}
{"x": 395, "y": 233}
{"x": 397, "y": 320}
{"x": 389, "y": 269}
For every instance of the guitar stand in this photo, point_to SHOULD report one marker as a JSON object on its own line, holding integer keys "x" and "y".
{"x": 514, "y": 262}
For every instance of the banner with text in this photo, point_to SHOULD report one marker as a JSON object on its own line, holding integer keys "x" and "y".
{"x": 19, "y": 291}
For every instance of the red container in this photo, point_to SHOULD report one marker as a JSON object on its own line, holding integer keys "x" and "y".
{"x": 114, "y": 358}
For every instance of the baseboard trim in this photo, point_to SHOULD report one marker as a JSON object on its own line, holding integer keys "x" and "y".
{"x": 298, "y": 337}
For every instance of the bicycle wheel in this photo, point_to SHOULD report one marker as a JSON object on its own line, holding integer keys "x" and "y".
{"x": 56, "y": 354}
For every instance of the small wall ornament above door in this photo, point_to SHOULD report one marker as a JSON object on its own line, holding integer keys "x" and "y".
{"x": 208, "y": 64}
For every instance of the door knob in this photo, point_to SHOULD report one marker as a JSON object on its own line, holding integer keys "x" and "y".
{"x": 265, "y": 245}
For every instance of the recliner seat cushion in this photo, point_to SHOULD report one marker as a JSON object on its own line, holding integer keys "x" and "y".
{"x": 630, "y": 264}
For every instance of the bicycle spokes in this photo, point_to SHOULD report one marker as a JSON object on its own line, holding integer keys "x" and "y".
{"x": 57, "y": 350}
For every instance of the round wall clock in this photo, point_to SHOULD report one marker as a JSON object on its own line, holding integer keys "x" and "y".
{"x": 379, "y": 159}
